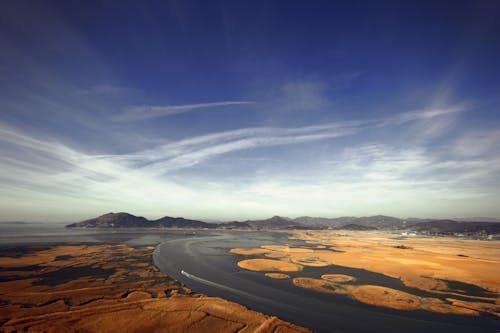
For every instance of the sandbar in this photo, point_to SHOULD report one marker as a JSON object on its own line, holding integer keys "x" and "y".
{"x": 278, "y": 276}
{"x": 338, "y": 278}
{"x": 261, "y": 265}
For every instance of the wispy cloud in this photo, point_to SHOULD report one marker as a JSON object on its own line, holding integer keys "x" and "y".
{"x": 423, "y": 114}
{"x": 197, "y": 154}
{"x": 47, "y": 172}
{"x": 192, "y": 151}
{"x": 188, "y": 152}
{"x": 143, "y": 112}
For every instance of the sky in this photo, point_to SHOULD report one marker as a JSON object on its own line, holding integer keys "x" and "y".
{"x": 234, "y": 110}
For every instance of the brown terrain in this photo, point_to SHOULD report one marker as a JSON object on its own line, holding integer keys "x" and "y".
{"x": 269, "y": 265}
{"x": 279, "y": 276}
{"x": 461, "y": 274}
{"x": 110, "y": 288}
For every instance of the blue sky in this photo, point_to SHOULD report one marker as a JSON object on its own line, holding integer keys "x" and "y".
{"x": 246, "y": 109}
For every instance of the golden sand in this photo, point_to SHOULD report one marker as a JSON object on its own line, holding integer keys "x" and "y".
{"x": 399, "y": 300}
{"x": 338, "y": 278}
{"x": 261, "y": 265}
{"x": 279, "y": 276}
{"x": 322, "y": 286}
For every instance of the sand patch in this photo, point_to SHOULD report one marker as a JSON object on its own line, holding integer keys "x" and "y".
{"x": 338, "y": 278}
{"x": 261, "y": 265}
{"x": 321, "y": 286}
{"x": 399, "y": 300}
{"x": 387, "y": 297}
{"x": 279, "y": 276}
{"x": 276, "y": 255}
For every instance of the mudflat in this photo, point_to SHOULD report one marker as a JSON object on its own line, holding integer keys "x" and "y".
{"x": 442, "y": 275}
{"x": 110, "y": 288}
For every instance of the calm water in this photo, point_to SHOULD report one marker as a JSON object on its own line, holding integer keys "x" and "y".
{"x": 212, "y": 270}
{"x": 36, "y": 233}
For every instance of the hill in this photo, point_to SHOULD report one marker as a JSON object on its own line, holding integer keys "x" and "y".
{"x": 377, "y": 222}
{"x": 114, "y": 220}
{"x": 126, "y": 220}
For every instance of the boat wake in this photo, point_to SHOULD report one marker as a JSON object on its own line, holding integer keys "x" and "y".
{"x": 223, "y": 287}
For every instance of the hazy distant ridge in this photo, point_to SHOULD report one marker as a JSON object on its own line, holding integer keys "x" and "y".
{"x": 377, "y": 222}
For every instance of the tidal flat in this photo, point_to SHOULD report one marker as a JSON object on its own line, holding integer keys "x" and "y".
{"x": 441, "y": 275}
{"x": 109, "y": 287}
{"x": 111, "y": 274}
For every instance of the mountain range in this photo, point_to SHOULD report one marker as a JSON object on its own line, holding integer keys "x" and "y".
{"x": 377, "y": 222}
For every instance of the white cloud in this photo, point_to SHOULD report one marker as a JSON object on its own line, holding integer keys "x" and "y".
{"x": 188, "y": 152}
{"x": 430, "y": 113}
{"x": 142, "y": 112}
{"x": 192, "y": 151}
